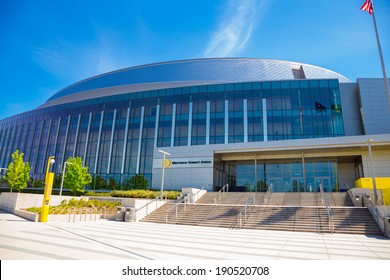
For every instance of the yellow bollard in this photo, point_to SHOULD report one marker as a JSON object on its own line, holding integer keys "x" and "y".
{"x": 49, "y": 178}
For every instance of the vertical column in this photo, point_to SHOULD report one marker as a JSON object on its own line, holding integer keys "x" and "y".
{"x": 189, "y": 123}
{"x": 255, "y": 187}
{"x": 45, "y": 155}
{"x": 265, "y": 123}
{"x": 141, "y": 127}
{"x": 98, "y": 143}
{"x": 125, "y": 141}
{"x": 226, "y": 121}
{"x": 208, "y": 123}
{"x": 57, "y": 134}
{"x": 87, "y": 138}
{"x": 65, "y": 143}
{"x": 304, "y": 171}
{"x": 156, "y": 126}
{"x": 76, "y": 136}
{"x": 31, "y": 140}
{"x": 39, "y": 147}
{"x": 245, "y": 105}
{"x": 111, "y": 142}
{"x": 173, "y": 124}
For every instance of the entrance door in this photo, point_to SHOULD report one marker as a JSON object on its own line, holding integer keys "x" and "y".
{"x": 275, "y": 184}
{"x": 325, "y": 182}
{"x": 298, "y": 185}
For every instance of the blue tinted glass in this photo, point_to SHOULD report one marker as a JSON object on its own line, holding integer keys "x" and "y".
{"x": 194, "y": 89}
{"x": 256, "y": 85}
{"x": 229, "y": 87}
{"x": 314, "y": 83}
{"x": 221, "y": 87}
{"x": 266, "y": 85}
{"x": 285, "y": 84}
{"x": 304, "y": 84}
{"x": 238, "y": 86}
{"x": 211, "y": 88}
{"x": 324, "y": 84}
{"x": 294, "y": 84}
{"x": 275, "y": 85}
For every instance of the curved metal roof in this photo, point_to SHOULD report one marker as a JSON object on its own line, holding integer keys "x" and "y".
{"x": 187, "y": 73}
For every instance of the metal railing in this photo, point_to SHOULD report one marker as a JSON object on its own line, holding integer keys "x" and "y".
{"x": 194, "y": 197}
{"x": 329, "y": 212}
{"x": 175, "y": 207}
{"x": 268, "y": 194}
{"x": 244, "y": 212}
{"x": 221, "y": 193}
{"x": 149, "y": 210}
{"x": 378, "y": 217}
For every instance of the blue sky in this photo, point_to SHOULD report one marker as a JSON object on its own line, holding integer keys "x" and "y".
{"x": 48, "y": 45}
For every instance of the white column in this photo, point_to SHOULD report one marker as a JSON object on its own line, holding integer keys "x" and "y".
{"x": 173, "y": 124}
{"x": 265, "y": 123}
{"x": 189, "y": 123}
{"x": 245, "y": 105}
{"x": 141, "y": 126}
{"x": 226, "y": 121}
{"x": 111, "y": 142}
{"x": 125, "y": 141}
{"x": 208, "y": 123}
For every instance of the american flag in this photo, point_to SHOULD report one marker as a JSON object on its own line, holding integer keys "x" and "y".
{"x": 368, "y": 7}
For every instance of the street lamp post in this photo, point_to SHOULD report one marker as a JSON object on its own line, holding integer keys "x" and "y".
{"x": 371, "y": 169}
{"x": 163, "y": 171}
{"x": 63, "y": 175}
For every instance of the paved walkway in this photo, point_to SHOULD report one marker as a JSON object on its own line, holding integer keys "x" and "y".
{"x": 110, "y": 240}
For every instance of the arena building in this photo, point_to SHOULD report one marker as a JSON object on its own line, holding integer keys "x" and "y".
{"x": 251, "y": 123}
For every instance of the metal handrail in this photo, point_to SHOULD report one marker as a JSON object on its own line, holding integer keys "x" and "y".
{"x": 150, "y": 202}
{"x": 175, "y": 206}
{"x": 267, "y": 196}
{"x": 378, "y": 217}
{"x": 243, "y": 212}
{"x": 329, "y": 212}
{"x": 330, "y": 215}
{"x": 195, "y": 194}
{"x": 221, "y": 192}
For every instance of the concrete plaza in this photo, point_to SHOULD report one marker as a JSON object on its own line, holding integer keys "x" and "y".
{"x": 110, "y": 240}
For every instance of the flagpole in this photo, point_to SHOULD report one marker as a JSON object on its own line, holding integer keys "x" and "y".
{"x": 382, "y": 62}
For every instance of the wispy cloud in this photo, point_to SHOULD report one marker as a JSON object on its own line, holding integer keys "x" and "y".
{"x": 73, "y": 61}
{"x": 238, "y": 21}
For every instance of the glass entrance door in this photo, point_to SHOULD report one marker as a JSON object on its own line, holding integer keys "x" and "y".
{"x": 298, "y": 185}
{"x": 275, "y": 184}
{"x": 324, "y": 181}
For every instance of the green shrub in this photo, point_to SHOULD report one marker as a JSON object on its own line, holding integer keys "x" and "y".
{"x": 64, "y": 207}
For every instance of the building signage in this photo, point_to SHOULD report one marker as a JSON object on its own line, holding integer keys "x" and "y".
{"x": 186, "y": 162}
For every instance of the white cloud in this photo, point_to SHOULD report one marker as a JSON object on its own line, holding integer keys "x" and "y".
{"x": 238, "y": 21}
{"x": 73, "y": 61}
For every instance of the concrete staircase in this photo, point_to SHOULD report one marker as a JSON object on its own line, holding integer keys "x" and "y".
{"x": 285, "y": 211}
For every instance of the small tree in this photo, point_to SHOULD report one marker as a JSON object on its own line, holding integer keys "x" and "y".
{"x": 76, "y": 176}
{"x": 18, "y": 173}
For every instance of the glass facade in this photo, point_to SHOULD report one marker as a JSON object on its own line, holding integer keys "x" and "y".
{"x": 284, "y": 175}
{"x": 116, "y": 135}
